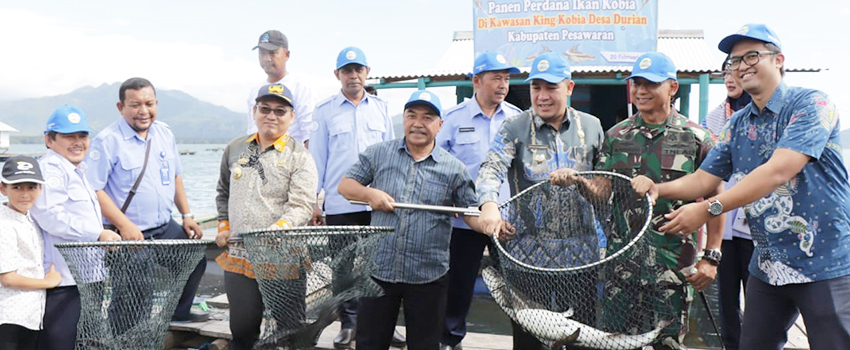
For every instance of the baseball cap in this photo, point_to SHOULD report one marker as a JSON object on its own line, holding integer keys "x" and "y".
{"x": 272, "y": 40}
{"x": 756, "y": 31}
{"x": 490, "y": 61}
{"x": 654, "y": 66}
{"x": 351, "y": 55}
{"x": 427, "y": 98}
{"x": 67, "y": 120}
{"x": 19, "y": 169}
{"x": 551, "y": 67}
{"x": 277, "y": 90}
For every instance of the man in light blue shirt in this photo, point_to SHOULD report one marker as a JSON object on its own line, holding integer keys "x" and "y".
{"x": 468, "y": 129}
{"x": 116, "y": 161}
{"x": 67, "y": 211}
{"x": 346, "y": 123}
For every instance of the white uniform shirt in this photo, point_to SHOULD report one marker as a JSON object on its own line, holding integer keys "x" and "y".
{"x": 21, "y": 252}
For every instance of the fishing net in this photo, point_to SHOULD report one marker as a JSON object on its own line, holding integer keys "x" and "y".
{"x": 129, "y": 289}
{"x": 578, "y": 272}
{"x": 295, "y": 269}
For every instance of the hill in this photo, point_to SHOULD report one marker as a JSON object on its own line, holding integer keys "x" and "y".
{"x": 190, "y": 119}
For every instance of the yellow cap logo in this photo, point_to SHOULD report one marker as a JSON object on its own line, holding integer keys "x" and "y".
{"x": 350, "y": 55}
{"x": 542, "y": 66}
{"x": 501, "y": 59}
{"x": 743, "y": 30}
{"x": 425, "y": 96}
{"x": 276, "y": 89}
{"x": 645, "y": 63}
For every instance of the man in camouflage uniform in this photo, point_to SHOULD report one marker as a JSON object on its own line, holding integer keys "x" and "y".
{"x": 663, "y": 145}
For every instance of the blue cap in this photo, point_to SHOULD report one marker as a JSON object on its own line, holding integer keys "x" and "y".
{"x": 756, "y": 31}
{"x": 277, "y": 90}
{"x": 425, "y": 97}
{"x": 654, "y": 66}
{"x": 490, "y": 61}
{"x": 67, "y": 120}
{"x": 551, "y": 67}
{"x": 351, "y": 55}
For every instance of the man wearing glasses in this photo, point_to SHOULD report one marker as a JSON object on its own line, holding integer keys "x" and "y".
{"x": 784, "y": 149}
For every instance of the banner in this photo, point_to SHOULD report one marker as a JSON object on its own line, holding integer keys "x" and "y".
{"x": 586, "y": 32}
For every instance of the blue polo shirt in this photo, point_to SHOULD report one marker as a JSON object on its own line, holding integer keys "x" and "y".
{"x": 801, "y": 231}
{"x": 342, "y": 132}
{"x": 467, "y": 134}
{"x": 115, "y": 160}
{"x": 418, "y": 251}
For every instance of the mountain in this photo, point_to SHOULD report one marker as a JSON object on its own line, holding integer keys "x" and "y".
{"x": 190, "y": 119}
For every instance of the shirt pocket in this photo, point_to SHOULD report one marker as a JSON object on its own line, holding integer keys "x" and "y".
{"x": 434, "y": 193}
{"x": 341, "y": 136}
{"x": 131, "y": 166}
{"x": 466, "y": 148}
{"x": 377, "y": 129}
{"x": 676, "y": 166}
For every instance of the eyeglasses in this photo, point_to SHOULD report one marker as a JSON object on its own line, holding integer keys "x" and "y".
{"x": 751, "y": 58}
{"x": 278, "y": 112}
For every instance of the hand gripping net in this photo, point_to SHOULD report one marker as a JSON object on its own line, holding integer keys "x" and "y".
{"x": 129, "y": 289}
{"x": 579, "y": 273}
{"x": 304, "y": 273}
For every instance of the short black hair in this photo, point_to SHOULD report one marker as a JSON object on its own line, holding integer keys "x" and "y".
{"x": 134, "y": 84}
{"x": 371, "y": 90}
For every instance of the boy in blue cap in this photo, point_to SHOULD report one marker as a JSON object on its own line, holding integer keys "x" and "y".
{"x": 663, "y": 145}
{"x": 413, "y": 262}
{"x": 22, "y": 275}
{"x": 784, "y": 150}
{"x": 67, "y": 211}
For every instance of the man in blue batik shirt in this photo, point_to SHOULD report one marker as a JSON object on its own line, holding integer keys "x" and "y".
{"x": 115, "y": 162}
{"x": 784, "y": 150}
{"x": 413, "y": 262}
{"x": 467, "y": 132}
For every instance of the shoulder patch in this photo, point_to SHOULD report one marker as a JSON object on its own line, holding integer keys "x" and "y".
{"x": 94, "y": 155}
{"x": 53, "y": 182}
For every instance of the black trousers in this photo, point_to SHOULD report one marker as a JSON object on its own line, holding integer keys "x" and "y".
{"x": 246, "y": 307}
{"x": 15, "y": 337}
{"x": 732, "y": 273}
{"x": 467, "y": 248}
{"x": 348, "y": 309}
{"x": 61, "y": 315}
{"x": 424, "y": 310}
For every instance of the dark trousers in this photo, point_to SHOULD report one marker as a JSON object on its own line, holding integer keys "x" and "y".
{"x": 772, "y": 310}
{"x": 733, "y": 272}
{"x": 15, "y": 337}
{"x": 246, "y": 307}
{"x": 467, "y": 248}
{"x": 61, "y": 314}
{"x": 173, "y": 230}
{"x": 424, "y": 310}
{"x": 347, "y": 309}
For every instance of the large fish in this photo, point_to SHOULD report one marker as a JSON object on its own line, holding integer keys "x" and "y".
{"x": 531, "y": 57}
{"x": 573, "y": 54}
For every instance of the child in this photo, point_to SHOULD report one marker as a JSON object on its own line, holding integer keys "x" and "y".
{"x": 22, "y": 276}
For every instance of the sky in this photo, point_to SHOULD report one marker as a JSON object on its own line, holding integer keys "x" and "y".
{"x": 204, "y": 48}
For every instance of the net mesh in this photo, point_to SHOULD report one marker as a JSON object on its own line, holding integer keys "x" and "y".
{"x": 129, "y": 290}
{"x": 304, "y": 273}
{"x": 578, "y": 272}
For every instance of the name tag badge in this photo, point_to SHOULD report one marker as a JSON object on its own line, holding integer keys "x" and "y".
{"x": 165, "y": 174}
{"x": 467, "y": 129}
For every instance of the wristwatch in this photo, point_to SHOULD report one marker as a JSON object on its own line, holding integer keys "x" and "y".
{"x": 188, "y": 216}
{"x": 715, "y": 207}
{"x": 713, "y": 256}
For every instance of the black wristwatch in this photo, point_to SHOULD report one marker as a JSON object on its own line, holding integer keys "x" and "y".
{"x": 713, "y": 256}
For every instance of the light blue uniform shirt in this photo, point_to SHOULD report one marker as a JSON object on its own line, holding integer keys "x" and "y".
{"x": 418, "y": 251}
{"x": 467, "y": 134}
{"x": 66, "y": 211}
{"x": 801, "y": 231}
{"x": 342, "y": 132}
{"x": 115, "y": 161}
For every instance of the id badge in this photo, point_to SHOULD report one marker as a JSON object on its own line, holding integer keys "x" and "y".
{"x": 165, "y": 174}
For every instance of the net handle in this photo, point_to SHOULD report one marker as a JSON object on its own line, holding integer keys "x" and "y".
{"x": 471, "y": 211}
{"x": 311, "y": 231}
{"x": 622, "y": 250}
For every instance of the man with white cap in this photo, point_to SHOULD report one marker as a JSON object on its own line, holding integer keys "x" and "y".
{"x": 664, "y": 145}
{"x": 346, "y": 123}
{"x": 67, "y": 211}
{"x": 273, "y": 53}
{"x": 413, "y": 262}
{"x": 548, "y": 141}
{"x": 784, "y": 149}
{"x": 467, "y": 132}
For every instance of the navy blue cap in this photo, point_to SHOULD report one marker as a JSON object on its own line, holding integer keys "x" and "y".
{"x": 351, "y": 55}
{"x": 756, "y": 31}
{"x": 492, "y": 61}
{"x": 654, "y": 66}
{"x": 425, "y": 97}
{"x": 551, "y": 67}
{"x": 67, "y": 120}
{"x": 272, "y": 40}
{"x": 19, "y": 169}
{"x": 277, "y": 90}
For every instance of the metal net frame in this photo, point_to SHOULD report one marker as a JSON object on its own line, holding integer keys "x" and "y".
{"x": 305, "y": 273}
{"x": 578, "y": 271}
{"x": 129, "y": 289}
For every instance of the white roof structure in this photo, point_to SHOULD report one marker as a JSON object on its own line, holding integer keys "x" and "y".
{"x": 7, "y": 128}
